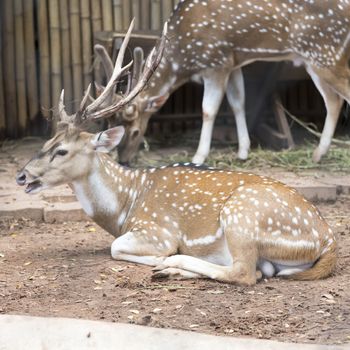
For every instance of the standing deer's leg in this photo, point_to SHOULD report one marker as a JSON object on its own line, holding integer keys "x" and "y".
{"x": 214, "y": 89}
{"x": 333, "y": 104}
{"x": 236, "y": 98}
{"x": 142, "y": 248}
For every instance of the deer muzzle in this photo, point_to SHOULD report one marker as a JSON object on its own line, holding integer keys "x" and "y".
{"x": 32, "y": 184}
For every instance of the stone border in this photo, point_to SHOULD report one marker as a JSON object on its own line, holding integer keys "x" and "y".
{"x": 26, "y": 332}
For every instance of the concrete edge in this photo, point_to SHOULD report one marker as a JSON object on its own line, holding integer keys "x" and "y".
{"x": 39, "y": 333}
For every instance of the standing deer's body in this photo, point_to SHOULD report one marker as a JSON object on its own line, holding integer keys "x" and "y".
{"x": 210, "y": 40}
{"x": 184, "y": 220}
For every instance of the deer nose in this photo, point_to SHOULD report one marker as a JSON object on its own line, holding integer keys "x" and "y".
{"x": 21, "y": 178}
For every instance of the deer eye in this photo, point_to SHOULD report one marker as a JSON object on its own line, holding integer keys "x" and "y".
{"x": 61, "y": 152}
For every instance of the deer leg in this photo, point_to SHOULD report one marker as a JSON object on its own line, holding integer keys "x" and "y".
{"x": 140, "y": 248}
{"x": 214, "y": 89}
{"x": 236, "y": 97}
{"x": 176, "y": 274}
{"x": 333, "y": 104}
{"x": 239, "y": 272}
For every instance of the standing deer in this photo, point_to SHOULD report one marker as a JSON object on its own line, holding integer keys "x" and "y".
{"x": 184, "y": 220}
{"x": 210, "y": 40}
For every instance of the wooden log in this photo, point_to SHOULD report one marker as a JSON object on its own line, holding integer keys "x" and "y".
{"x": 66, "y": 56}
{"x": 118, "y": 15}
{"x": 86, "y": 42}
{"x": 75, "y": 32}
{"x": 44, "y": 58}
{"x": 30, "y": 59}
{"x": 107, "y": 15}
{"x": 282, "y": 121}
{"x": 9, "y": 69}
{"x": 156, "y": 15}
{"x": 126, "y": 14}
{"x": 20, "y": 68}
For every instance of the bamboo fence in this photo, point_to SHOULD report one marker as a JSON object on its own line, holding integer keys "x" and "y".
{"x": 47, "y": 45}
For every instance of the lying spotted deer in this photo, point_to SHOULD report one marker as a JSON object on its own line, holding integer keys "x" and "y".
{"x": 184, "y": 220}
{"x": 210, "y": 40}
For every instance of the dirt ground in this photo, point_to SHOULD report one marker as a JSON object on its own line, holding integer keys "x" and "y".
{"x": 66, "y": 270}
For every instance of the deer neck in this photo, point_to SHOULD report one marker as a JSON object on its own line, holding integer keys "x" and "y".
{"x": 107, "y": 193}
{"x": 166, "y": 79}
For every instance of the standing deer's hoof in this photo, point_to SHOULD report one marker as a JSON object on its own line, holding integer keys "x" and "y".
{"x": 198, "y": 159}
{"x": 317, "y": 155}
{"x": 242, "y": 154}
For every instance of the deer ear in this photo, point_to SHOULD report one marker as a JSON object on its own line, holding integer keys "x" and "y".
{"x": 154, "y": 103}
{"x": 106, "y": 140}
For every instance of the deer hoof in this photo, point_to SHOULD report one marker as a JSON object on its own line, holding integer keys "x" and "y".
{"x": 242, "y": 154}
{"x": 160, "y": 275}
{"x": 317, "y": 155}
{"x": 197, "y": 159}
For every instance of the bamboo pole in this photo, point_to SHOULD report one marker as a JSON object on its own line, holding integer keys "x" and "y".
{"x": 166, "y": 9}
{"x": 156, "y": 14}
{"x": 44, "y": 58}
{"x": 96, "y": 20}
{"x": 135, "y": 8}
{"x": 146, "y": 15}
{"x": 66, "y": 55}
{"x": 118, "y": 15}
{"x": 20, "y": 68}
{"x": 107, "y": 15}
{"x": 2, "y": 100}
{"x": 86, "y": 42}
{"x": 96, "y": 16}
{"x": 55, "y": 50}
{"x": 74, "y": 19}
{"x": 30, "y": 64}
{"x": 9, "y": 69}
{"x": 126, "y": 14}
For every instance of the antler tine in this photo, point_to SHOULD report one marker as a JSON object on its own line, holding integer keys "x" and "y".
{"x": 137, "y": 68}
{"x": 107, "y": 63}
{"x": 134, "y": 77}
{"x": 62, "y": 114}
{"x": 117, "y": 72}
{"x": 151, "y": 64}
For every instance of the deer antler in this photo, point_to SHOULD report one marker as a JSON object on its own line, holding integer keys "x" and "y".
{"x": 94, "y": 112}
{"x": 117, "y": 72}
{"x": 107, "y": 63}
{"x": 62, "y": 113}
{"x": 96, "y": 109}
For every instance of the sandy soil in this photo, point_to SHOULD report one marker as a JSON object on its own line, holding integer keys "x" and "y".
{"x": 66, "y": 270}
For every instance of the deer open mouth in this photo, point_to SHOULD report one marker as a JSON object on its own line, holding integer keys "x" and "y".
{"x": 33, "y": 186}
